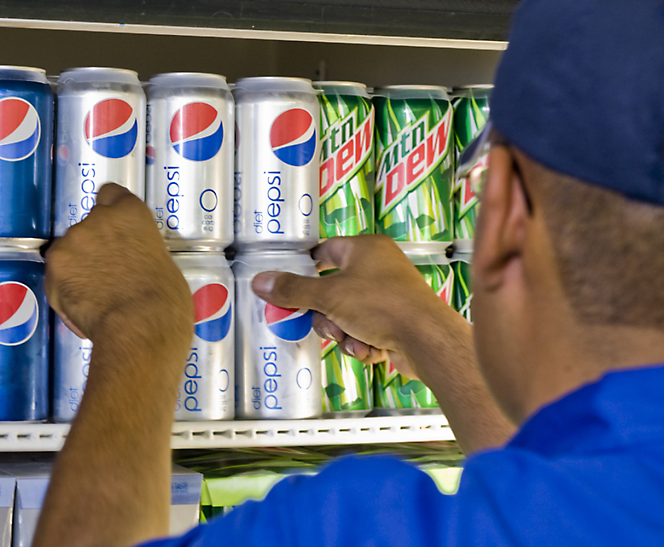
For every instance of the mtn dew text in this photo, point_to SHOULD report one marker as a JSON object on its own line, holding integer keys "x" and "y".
{"x": 471, "y": 112}
{"x": 347, "y": 160}
{"x": 415, "y": 163}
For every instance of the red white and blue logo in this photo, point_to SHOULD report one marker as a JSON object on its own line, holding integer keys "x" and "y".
{"x": 20, "y": 129}
{"x": 213, "y": 313}
{"x": 291, "y": 325}
{"x": 19, "y": 313}
{"x": 293, "y": 137}
{"x": 111, "y": 128}
{"x": 197, "y": 131}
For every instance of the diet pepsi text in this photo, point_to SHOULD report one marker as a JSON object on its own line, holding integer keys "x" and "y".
{"x": 100, "y": 136}
{"x": 71, "y": 365}
{"x": 277, "y": 162}
{"x": 190, "y": 159}
{"x": 26, "y": 139}
{"x": 207, "y": 388}
{"x": 277, "y": 356}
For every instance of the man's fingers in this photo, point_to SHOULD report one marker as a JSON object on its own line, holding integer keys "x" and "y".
{"x": 331, "y": 253}
{"x": 326, "y": 328}
{"x": 288, "y": 290}
{"x": 111, "y": 193}
{"x": 361, "y": 351}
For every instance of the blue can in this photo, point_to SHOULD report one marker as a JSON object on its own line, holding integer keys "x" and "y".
{"x": 26, "y": 143}
{"x": 24, "y": 336}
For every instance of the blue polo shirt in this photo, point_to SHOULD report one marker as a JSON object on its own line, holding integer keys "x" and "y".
{"x": 587, "y": 470}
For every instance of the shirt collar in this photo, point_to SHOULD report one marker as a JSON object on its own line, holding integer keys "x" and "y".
{"x": 622, "y": 408}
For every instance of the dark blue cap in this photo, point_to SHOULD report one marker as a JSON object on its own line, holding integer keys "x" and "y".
{"x": 580, "y": 89}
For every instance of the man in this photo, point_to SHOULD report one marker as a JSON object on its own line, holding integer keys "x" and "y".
{"x": 569, "y": 332}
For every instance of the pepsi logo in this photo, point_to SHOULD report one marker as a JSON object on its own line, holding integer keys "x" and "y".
{"x": 293, "y": 137}
{"x": 213, "y": 314}
{"x": 291, "y": 325}
{"x": 19, "y": 313}
{"x": 197, "y": 131}
{"x": 111, "y": 128}
{"x": 20, "y": 129}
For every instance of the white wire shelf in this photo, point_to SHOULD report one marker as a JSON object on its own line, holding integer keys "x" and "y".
{"x": 44, "y": 437}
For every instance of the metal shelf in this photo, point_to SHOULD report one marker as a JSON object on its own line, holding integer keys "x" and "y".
{"x": 43, "y": 437}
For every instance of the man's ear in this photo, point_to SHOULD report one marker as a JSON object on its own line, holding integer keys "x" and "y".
{"x": 504, "y": 213}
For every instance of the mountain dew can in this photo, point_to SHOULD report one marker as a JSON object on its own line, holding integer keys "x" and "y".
{"x": 415, "y": 163}
{"x": 347, "y": 384}
{"x": 347, "y": 160}
{"x": 463, "y": 295}
{"x": 471, "y": 112}
{"x": 394, "y": 393}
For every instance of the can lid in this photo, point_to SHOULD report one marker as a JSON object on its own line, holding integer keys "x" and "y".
{"x": 482, "y": 91}
{"x": 262, "y": 84}
{"x": 23, "y": 74}
{"x": 261, "y": 258}
{"x": 462, "y": 257}
{"x": 195, "y": 245}
{"x": 21, "y": 244}
{"x": 463, "y": 245}
{"x": 189, "y": 79}
{"x": 413, "y": 92}
{"x": 192, "y": 259}
{"x": 343, "y": 88}
{"x": 99, "y": 74}
{"x": 425, "y": 252}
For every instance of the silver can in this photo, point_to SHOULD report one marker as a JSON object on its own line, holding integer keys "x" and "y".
{"x": 277, "y": 164}
{"x": 207, "y": 388}
{"x": 190, "y": 159}
{"x": 71, "y": 364}
{"x": 100, "y": 138}
{"x": 277, "y": 355}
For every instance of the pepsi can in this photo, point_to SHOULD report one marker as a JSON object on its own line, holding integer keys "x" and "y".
{"x": 26, "y": 140}
{"x": 100, "y": 138}
{"x": 277, "y": 355}
{"x": 277, "y": 164}
{"x": 207, "y": 388}
{"x": 190, "y": 159}
{"x": 71, "y": 364}
{"x": 24, "y": 342}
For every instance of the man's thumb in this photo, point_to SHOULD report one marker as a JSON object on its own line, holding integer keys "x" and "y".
{"x": 288, "y": 290}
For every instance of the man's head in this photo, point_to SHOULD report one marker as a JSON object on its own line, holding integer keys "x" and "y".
{"x": 567, "y": 266}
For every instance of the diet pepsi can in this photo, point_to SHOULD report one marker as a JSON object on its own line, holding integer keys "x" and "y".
{"x": 26, "y": 140}
{"x": 207, "y": 388}
{"x": 190, "y": 159}
{"x": 71, "y": 365}
{"x": 277, "y": 356}
{"x": 277, "y": 164}
{"x": 24, "y": 342}
{"x": 100, "y": 138}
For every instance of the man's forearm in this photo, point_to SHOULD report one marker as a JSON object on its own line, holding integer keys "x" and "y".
{"x": 111, "y": 483}
{"x": 442, "y": 352}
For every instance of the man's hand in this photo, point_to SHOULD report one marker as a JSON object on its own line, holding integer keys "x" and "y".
{"x": 379, "y": 305}
{"x": 112, "y": 280}
{"x": 114, "y": 268}
{"x": 370, "y": 305}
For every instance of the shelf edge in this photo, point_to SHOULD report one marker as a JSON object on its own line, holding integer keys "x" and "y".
{"x": 252, "y": 34}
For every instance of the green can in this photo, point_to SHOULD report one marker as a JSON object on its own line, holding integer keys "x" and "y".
{"x": 463, "y": 294}
{"x": 414, "y": 163}
{"x": 347, "y": 172}
{"x": 471, "y": 112}
{"x": 347, "y": 384}
{"x": 394, "y": 393}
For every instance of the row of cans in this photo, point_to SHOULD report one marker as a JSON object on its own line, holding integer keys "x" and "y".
{"x": 247, "y": 167}
{"x": 247, "y": 358}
